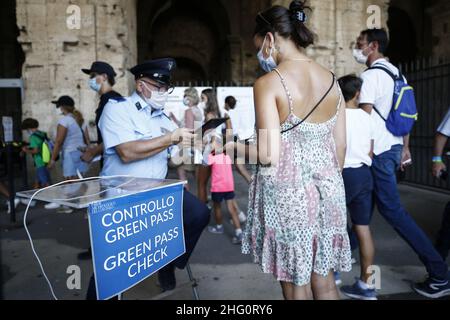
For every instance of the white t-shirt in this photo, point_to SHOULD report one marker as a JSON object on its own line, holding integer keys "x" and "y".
{"x": 234, "y": 120}
{"x": 444, "y": 128}
{"x": 378, "y": 90}
{"x": 360, "y": 133}
{"x": 74, "y": 138}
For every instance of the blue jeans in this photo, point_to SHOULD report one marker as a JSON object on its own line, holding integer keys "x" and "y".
{"x": 387, "y": 199}
{"x": 43, "y": 176}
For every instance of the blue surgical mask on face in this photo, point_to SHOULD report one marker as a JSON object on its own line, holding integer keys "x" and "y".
{"x": 94, "y": 85}
{"x": 268, "y": 64}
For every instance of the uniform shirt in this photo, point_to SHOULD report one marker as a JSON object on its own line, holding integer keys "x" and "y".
{"x": 222, "y": 179}
{"x": 98, "y": 113}
{"x": 74, "y": 137}
{"x": 131, "y": 119}
{"x": 360, "y": 133}
{"x": 444, "y": 128}
{"x": 378, "y": 90}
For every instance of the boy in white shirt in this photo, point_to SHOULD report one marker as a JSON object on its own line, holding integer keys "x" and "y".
{"x": 359, "y": 182}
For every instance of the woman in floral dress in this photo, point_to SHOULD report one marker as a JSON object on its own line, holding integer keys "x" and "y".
{"x": 297, "y": 227}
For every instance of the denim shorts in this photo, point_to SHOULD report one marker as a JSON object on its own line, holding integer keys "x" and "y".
{"x": 72, "y": 162}
{"x": 218, "y": 197}
{"x": 358, "y": 192}
{"x": 43, "y": 176}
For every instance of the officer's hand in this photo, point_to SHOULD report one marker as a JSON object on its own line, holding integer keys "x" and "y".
{"x": 183, "y": 137}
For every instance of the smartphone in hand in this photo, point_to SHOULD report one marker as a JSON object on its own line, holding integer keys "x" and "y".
{"x": 407, "y": 162}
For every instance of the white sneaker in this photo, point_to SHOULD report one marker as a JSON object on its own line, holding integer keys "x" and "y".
{"x": 242, "y": 217}
{"x": 64, "y": 209}
{"x": 16, "y": 203}
{"x": 216, "y": 229}
{"x": 52, "y": 206}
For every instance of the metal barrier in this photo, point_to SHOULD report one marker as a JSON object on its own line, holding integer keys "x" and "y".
{"x": 432, "y": 88}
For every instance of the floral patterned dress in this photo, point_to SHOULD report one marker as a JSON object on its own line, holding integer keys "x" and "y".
{"x": 297, "y": 218}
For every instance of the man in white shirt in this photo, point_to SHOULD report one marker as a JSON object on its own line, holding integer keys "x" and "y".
{"x": 443, "y": 133}
{"x": 391, "y": 153}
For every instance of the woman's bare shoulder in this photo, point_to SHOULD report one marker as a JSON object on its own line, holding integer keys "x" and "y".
{"x": 266, "y": 81}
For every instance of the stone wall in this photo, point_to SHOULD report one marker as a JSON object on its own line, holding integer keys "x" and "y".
{"x": 441, "y": 31}
{"x": 337, "y": 24}
{"x": 55, "y": 53}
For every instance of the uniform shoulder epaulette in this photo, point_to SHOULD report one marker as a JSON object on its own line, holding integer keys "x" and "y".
{"x": 117, "y": 100}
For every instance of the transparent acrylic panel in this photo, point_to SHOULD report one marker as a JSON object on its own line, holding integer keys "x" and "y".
{"x": 80, "y": 195}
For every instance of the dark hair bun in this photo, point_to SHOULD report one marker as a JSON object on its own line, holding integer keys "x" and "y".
{"x": 297, "y": 6}
{"x": 288, "y": 23}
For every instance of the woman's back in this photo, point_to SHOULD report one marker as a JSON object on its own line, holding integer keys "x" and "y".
{"x": 307, "y": 83}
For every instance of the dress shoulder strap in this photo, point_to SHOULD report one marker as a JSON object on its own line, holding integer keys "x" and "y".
{"x": 288, "y": 93}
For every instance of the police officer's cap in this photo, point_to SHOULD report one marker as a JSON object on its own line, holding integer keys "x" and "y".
{"x": 101, "y": 67}
{"x": 64, "y": 101}
{"x": 158, "y": 70}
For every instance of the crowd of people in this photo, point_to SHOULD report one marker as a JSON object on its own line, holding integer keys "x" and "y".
{"x": 323, "y": 151}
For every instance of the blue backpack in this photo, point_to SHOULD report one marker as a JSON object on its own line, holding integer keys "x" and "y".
{"x": 403, "y": 114}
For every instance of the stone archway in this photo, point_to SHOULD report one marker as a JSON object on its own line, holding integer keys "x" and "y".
{"x": 196, "y": 33}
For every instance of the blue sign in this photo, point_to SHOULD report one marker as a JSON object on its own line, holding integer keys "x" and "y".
{"x": 135, "y": 236}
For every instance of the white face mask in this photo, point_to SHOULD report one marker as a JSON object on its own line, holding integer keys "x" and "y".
{"x": 359, "y": 56}
{"x": 202, "y": 105}
{"x": 186, "y": 101}
{"x": 157, "y": 100}
{"x": 268, "y": 64}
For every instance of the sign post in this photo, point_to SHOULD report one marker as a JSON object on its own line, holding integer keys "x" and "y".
{"x": 8, "y": 134}
{"x": 135, "y": 236}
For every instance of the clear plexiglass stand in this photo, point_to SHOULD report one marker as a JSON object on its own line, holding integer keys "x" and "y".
{"x": 79, "y": 195}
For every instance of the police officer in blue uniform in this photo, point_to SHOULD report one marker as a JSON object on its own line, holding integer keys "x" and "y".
{"x": 138, "y": 138}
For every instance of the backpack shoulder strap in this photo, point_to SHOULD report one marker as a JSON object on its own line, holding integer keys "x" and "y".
{"x": 378, "y": 112}
{"x": 389, "y": 72}
{"x": 40, "y": 135}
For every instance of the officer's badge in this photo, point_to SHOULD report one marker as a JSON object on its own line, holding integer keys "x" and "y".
{"x": 138, "y": 106}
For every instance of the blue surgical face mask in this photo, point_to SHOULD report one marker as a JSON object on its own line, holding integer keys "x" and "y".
{"x": 94, "y": 85}
{"x": 268, "y": 64}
